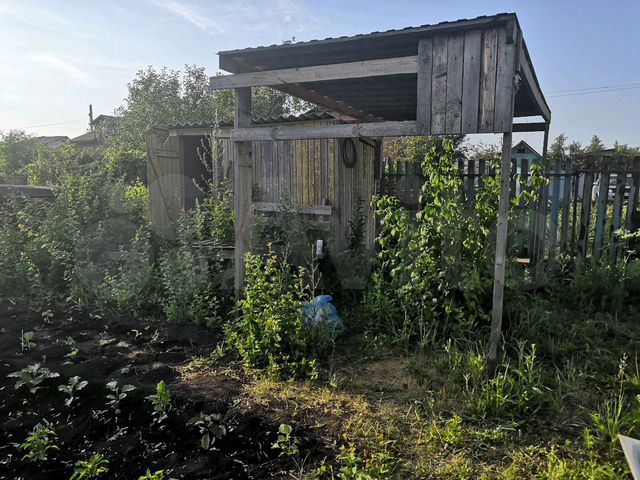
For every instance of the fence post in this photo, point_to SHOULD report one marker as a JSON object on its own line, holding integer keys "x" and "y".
{"x": 621, "y": 181}
{"x": 566, "y": 201}
{"x": 555, "y": 209}
{"x": 585, "y": 217}
{"x": 601, "y": 209}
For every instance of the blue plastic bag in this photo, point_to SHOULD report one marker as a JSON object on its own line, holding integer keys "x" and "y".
{"x": 320, "y": 311}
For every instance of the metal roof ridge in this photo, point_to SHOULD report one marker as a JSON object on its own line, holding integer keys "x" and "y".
{"x": 364, "y": 35}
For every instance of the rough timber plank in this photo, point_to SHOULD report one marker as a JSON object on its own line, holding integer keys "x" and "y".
{"x": 504, "y": 83}
{"x": 425, "y": 67}
{"x": 317, "y": 73}
{"x": 621, "y": 180}
{"x": 501, "y": 254}
{"x": 471, "y": 81}
{"x": 601, "y": 210}
{"x": 566, "y": 204}
{"x": 349, "y": 130}
{"x": 488, "y": 80}
{"x": 242, "y": 186}
{"x": 455, "y": 64}
{"x": 439, "y": 86}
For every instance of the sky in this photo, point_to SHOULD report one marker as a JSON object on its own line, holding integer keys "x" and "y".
{"x": 58, "y": 56}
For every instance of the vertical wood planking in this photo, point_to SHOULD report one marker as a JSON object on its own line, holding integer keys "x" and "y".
{"x": 555, "y": 210}
{"x": 439, "y": 86}
{"x": 471, "y": 80}
{"x": 455, "y": 64}
{"x": 633, "y": 193}
{"x": 482, "y": 165}
{"x": 423, "y": 93}
{"x": 621, "y": 179}
{"x": 601, "y": 211}
{"x": 471, "y": 181}
{"x": 566, "y": 203}
{"x": 585, "y": 217}
{"x": 524, "y": 211}
{"x": 488, "y": 80}
{"x": 503, "y": 118}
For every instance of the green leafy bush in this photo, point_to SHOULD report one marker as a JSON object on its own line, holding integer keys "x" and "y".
{"x": 270, "y": 332}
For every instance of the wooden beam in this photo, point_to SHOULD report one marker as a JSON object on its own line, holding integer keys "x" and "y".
{"x": 329, "y": 103}
{"x": 317, "y": 73}
{"x": 353, "y": 130}
{"x": 530, "y": 127}
{"x": 243, "y": 178}
{"x": 306, "y": 209}
{"x": 502, "y": 231}
{"x": 301, "y": 92}
{"x": 501, "y": 254}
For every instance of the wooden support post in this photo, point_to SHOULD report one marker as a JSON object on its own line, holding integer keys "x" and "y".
{"x": 242, "y": 183}
{"x": 501, "y": 255}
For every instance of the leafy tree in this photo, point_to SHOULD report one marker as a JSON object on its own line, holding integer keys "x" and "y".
{"x": 414, "y": 149}
{"x": 164, "y": 96}
{"x": 17, "y": 149}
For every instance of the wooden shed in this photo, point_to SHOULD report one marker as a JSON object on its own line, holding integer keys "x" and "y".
{"x": 466, "y": 76}
{"x": 323, "y": 178}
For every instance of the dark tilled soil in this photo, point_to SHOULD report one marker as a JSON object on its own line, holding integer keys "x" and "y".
{"x": 131, "y": 351}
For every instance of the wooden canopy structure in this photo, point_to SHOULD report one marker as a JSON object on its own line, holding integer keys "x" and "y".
{"x": 466, "y": 76}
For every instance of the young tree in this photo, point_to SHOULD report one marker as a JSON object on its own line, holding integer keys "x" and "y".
{"x": 163, "y": 96}
{"x": 17, "y": 150}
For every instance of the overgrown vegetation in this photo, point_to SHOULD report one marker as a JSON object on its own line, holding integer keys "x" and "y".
{"x": 567, "y": 384}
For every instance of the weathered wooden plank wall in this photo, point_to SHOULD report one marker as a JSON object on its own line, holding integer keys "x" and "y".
{"x": 465, "y": 82}
{"x": 309, "y": 172}
{"x": 166, "y": 182}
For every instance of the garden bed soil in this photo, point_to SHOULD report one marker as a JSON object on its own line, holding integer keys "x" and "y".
{"x": 139, "y": 353}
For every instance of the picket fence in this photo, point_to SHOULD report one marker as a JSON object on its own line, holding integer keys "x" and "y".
{"x": 578, "y": 212}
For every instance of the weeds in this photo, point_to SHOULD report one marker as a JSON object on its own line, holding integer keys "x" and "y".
{"x": 92, "y": 468}
{"x": 117, "y": 395}
{"x": 32, "y": 376}
{"x": 73, "y": 386}
{"x": 161, "y": 401}
{"x": 26, "y": 342}
{"x": 39, "y": 443}
{"x": 287, "y": 442}
{"x": 210, "y": 427}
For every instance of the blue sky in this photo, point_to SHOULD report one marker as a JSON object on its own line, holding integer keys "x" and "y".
{"x": 59, "y": 56}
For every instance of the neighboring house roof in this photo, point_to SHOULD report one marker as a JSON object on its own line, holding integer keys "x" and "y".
{"x": 86, "y": 138}
{"x": 528, "y": 149}
{"x": 52, "y": 141}
{"x": 104, "y": 118}
{"x": 93, "y": 138}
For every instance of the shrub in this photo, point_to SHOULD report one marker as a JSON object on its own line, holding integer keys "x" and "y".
{"x": 188, "y": 294}
{"x": 270, "y": 333}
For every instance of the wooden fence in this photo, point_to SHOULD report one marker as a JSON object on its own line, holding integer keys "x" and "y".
{"x": 576, "y": 212}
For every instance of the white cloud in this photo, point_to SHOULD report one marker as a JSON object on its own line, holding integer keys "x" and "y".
{"x": 188, "y": 13}
{"x": 283, "y": 17}
{"x": 30, "y": 14}
{"x": 63, "y": 66}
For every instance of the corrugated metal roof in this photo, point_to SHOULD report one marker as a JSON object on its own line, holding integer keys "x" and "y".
{"x": 362, "y": 36}
{"x": 387, "y": 97}
{"x": 303, "y": 117}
